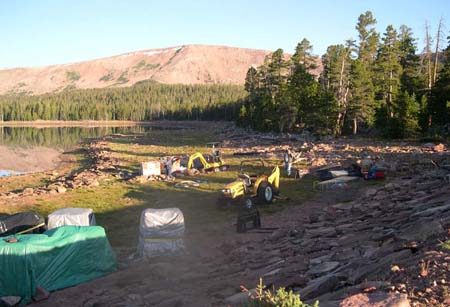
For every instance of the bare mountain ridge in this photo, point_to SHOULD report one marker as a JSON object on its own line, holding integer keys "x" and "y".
{"x": 189, "y": 64}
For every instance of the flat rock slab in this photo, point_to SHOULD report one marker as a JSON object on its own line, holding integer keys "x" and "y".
{"x": 336, "y": 182}
{"x": 376, "y": 299}
{"x": 323, "y": 267}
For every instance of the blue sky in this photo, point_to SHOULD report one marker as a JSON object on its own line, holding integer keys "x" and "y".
{"x": 36, "y": 33}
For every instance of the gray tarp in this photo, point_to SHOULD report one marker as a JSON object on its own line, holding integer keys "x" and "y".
{"x": 71, "y": 216}
{"x": 160, "y": 232}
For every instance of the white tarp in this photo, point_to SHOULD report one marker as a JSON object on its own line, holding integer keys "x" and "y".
{"x": 71, "y": 216}
{"x": 160, "y": 232}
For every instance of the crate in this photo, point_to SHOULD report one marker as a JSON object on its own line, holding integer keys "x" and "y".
{"x": 151, "y": 168}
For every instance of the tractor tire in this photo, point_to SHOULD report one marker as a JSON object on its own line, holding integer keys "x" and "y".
{"x": 265, "y": 192}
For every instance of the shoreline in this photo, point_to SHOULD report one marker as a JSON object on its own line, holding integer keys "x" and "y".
{"x": 75, "y": 123}
{"x": 109, "y": 123}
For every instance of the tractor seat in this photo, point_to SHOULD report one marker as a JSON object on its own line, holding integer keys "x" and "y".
{"x": 246, "y": 179}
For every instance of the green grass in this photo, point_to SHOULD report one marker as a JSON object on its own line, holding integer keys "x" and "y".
{"x": 445, "y": 245}
{"x": 117, "y": 204}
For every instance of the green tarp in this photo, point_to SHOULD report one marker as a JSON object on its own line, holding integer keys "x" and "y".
{"x": 59, "y": 258}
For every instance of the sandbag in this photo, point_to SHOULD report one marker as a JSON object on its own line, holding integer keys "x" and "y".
{"x": 71, "y": 216}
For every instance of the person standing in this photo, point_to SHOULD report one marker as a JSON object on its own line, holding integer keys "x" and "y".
{"x": 288, "y": 162}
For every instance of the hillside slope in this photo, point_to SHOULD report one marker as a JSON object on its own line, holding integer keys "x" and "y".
{"x": 190, "y": 64}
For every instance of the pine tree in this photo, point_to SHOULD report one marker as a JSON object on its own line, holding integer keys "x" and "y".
{"x": 362, "y": 105}
{"x": 388, "y": 70}
{"x": 303, "y": 55}
{"x": 336, "y": 78}
{"x": 407, "y": 111}
{"x": 411, "y": 79}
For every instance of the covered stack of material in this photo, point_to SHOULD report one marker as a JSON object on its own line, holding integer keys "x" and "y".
{"x": 71, "y": 216}
{"x": 161, "y": 232}
{"x": 59, "y": 258}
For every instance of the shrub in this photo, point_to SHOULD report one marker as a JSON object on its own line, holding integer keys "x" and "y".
{"x": 275, "y": 298}
{"x": 107, "y": 77}
{"x": 73, "y": 75}
{"x": 122, "y": 78}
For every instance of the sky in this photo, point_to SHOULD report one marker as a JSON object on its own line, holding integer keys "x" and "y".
{"x": 44, "y": 32}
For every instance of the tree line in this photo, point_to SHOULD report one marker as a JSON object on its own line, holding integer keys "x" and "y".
{"x": 141, "y": 102}
{"x": 379, "y": 82}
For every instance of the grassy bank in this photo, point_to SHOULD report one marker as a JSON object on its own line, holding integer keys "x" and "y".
{"x": 118, "y": 203}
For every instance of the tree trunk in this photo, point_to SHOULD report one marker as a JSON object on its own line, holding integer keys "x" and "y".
{"x": 342, "y": 97}
{"x": 428, "y": 53}
{"x": 355, "y": 125}
{"x": 389, "y": 100}
{"x": 436, "y": 51}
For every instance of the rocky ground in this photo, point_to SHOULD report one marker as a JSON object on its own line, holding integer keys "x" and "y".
{"x": 371, "y": 244}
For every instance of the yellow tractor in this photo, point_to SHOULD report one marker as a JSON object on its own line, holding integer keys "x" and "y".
{"x": 246, "y": 187}
{"x": 207, "y": 162}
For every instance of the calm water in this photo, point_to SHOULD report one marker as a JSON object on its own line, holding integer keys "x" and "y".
{"x": 59, "y": 137}
{"x": 25, "y": 138}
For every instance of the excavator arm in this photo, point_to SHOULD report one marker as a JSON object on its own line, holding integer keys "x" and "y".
{"x": 195, "y": 156}
{"x": 274, "y": 178}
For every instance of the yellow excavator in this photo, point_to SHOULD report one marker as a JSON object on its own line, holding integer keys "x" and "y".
{"x": 208, "y": 161}
{"x": 246, "y": 187}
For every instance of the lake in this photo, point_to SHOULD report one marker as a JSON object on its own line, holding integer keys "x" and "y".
{"x": 32, "y": 149}
{"x": 60, "y": 137}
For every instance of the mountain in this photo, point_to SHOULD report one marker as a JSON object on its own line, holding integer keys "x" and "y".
{"x": 189, "y": 64}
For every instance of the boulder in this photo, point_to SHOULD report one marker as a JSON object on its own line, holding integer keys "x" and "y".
{"x": 61, "y": 189}
{"x": 28, "y": 191}
{"x": 376, "y": 299}
{"x": 439, "y": 148}
{"x": 320, "y": 286}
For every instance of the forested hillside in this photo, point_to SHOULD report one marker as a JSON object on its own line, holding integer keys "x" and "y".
{"x": 144, "y": 101}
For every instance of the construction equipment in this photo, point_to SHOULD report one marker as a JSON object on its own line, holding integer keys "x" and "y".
{"x": 261, "y": 188}
{"x": 208, "y": 161}
{"x": 248, "y": 214}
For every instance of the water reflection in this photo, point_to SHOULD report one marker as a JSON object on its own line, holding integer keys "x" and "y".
{"x": 4, "y": 173}
{"x": 61, "y": 137}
